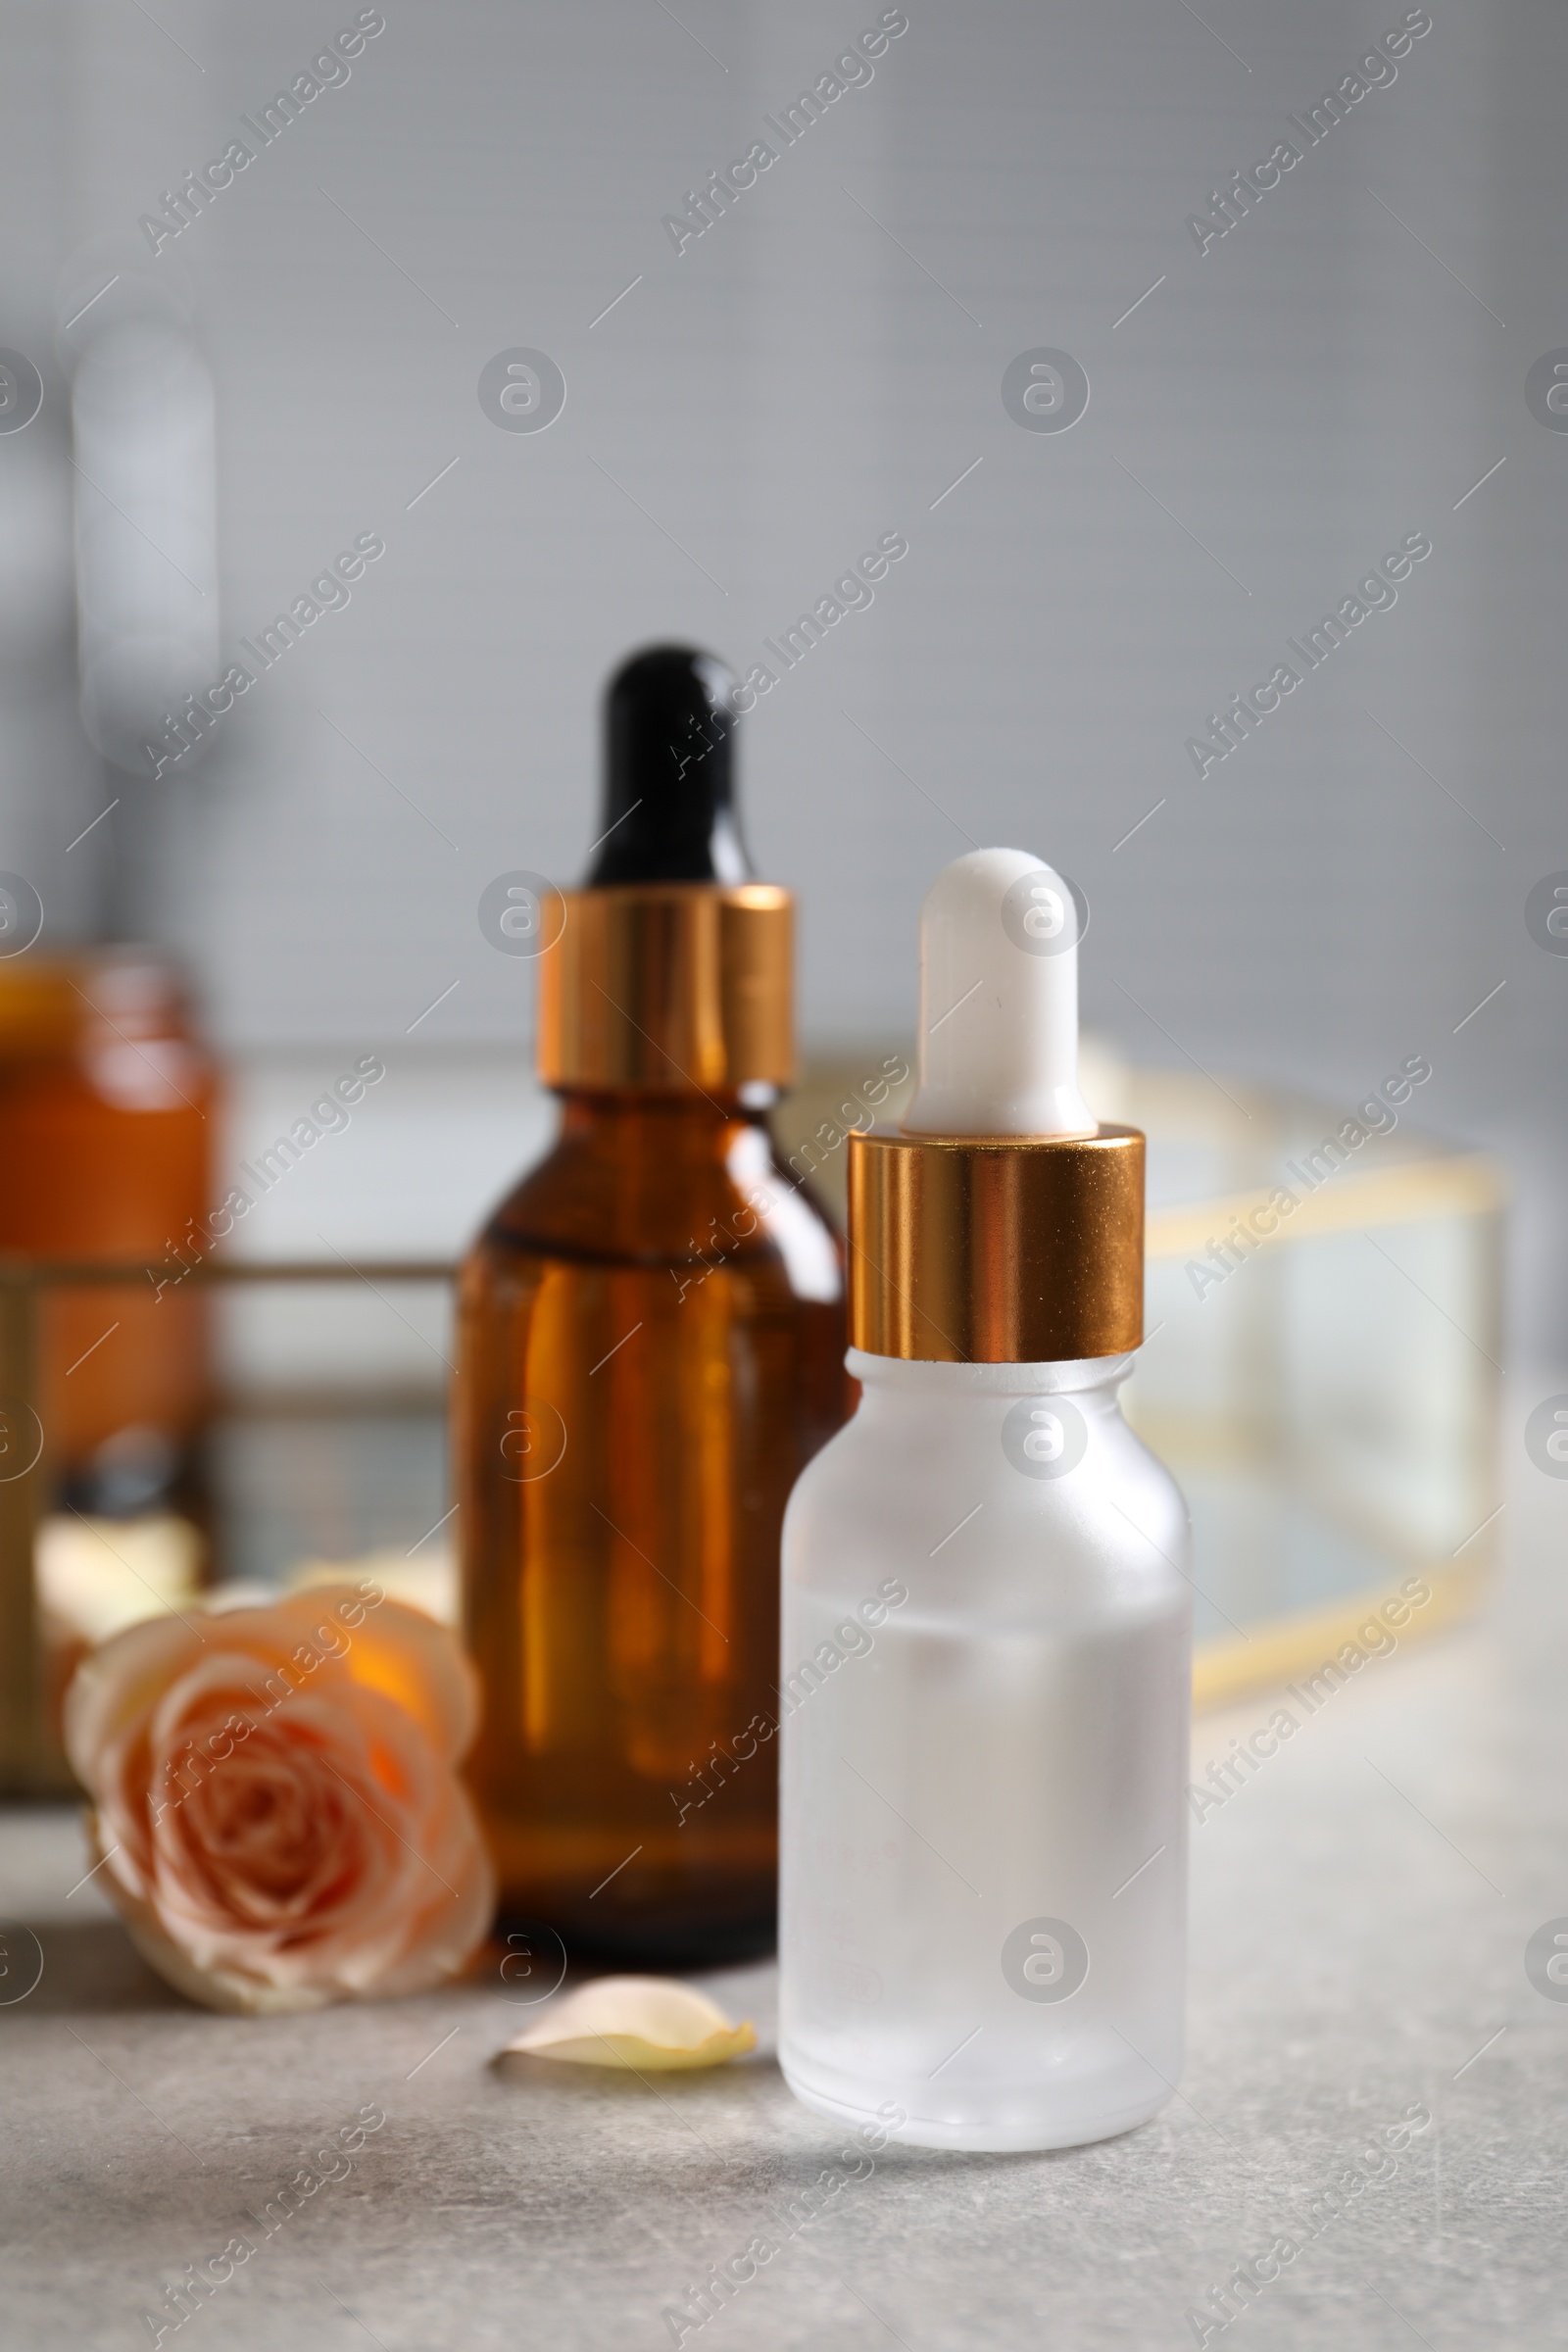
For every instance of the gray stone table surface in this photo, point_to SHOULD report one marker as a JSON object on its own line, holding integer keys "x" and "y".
{"x": 1360, "y": 1912}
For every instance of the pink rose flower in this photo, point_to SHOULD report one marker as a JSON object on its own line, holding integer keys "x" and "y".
{"x": 276, "y": 1801}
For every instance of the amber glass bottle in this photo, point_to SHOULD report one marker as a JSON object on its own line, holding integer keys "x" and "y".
{"x": 108, "y": 1109}
{"x": 652, "y": 1340}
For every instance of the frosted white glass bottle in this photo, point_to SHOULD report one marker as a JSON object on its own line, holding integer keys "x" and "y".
{"x": 985, "y": 1677}
{"x": 997, "y": 1757}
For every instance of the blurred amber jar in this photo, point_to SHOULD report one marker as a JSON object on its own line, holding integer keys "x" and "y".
{"x": 652, "y": 1348}
{"x": 107, "y": 1118}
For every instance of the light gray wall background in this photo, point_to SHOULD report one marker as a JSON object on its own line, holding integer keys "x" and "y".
{"x": 816, "y": 371}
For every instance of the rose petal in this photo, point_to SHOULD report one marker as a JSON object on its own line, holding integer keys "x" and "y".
{"x": 647, "y": 2024}
{"x": 405, "y": 1655}
{"x": 119, "y": 1681}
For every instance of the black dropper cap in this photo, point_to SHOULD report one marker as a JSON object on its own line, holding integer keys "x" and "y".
{"x": 668, "y": 813}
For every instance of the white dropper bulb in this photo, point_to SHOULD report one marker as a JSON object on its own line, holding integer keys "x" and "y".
{"x": 997, "y": 1048}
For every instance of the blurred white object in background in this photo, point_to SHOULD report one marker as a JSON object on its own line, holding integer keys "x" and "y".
{"x": 146, "y": 505}
{"x": 97, "y": 1575}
